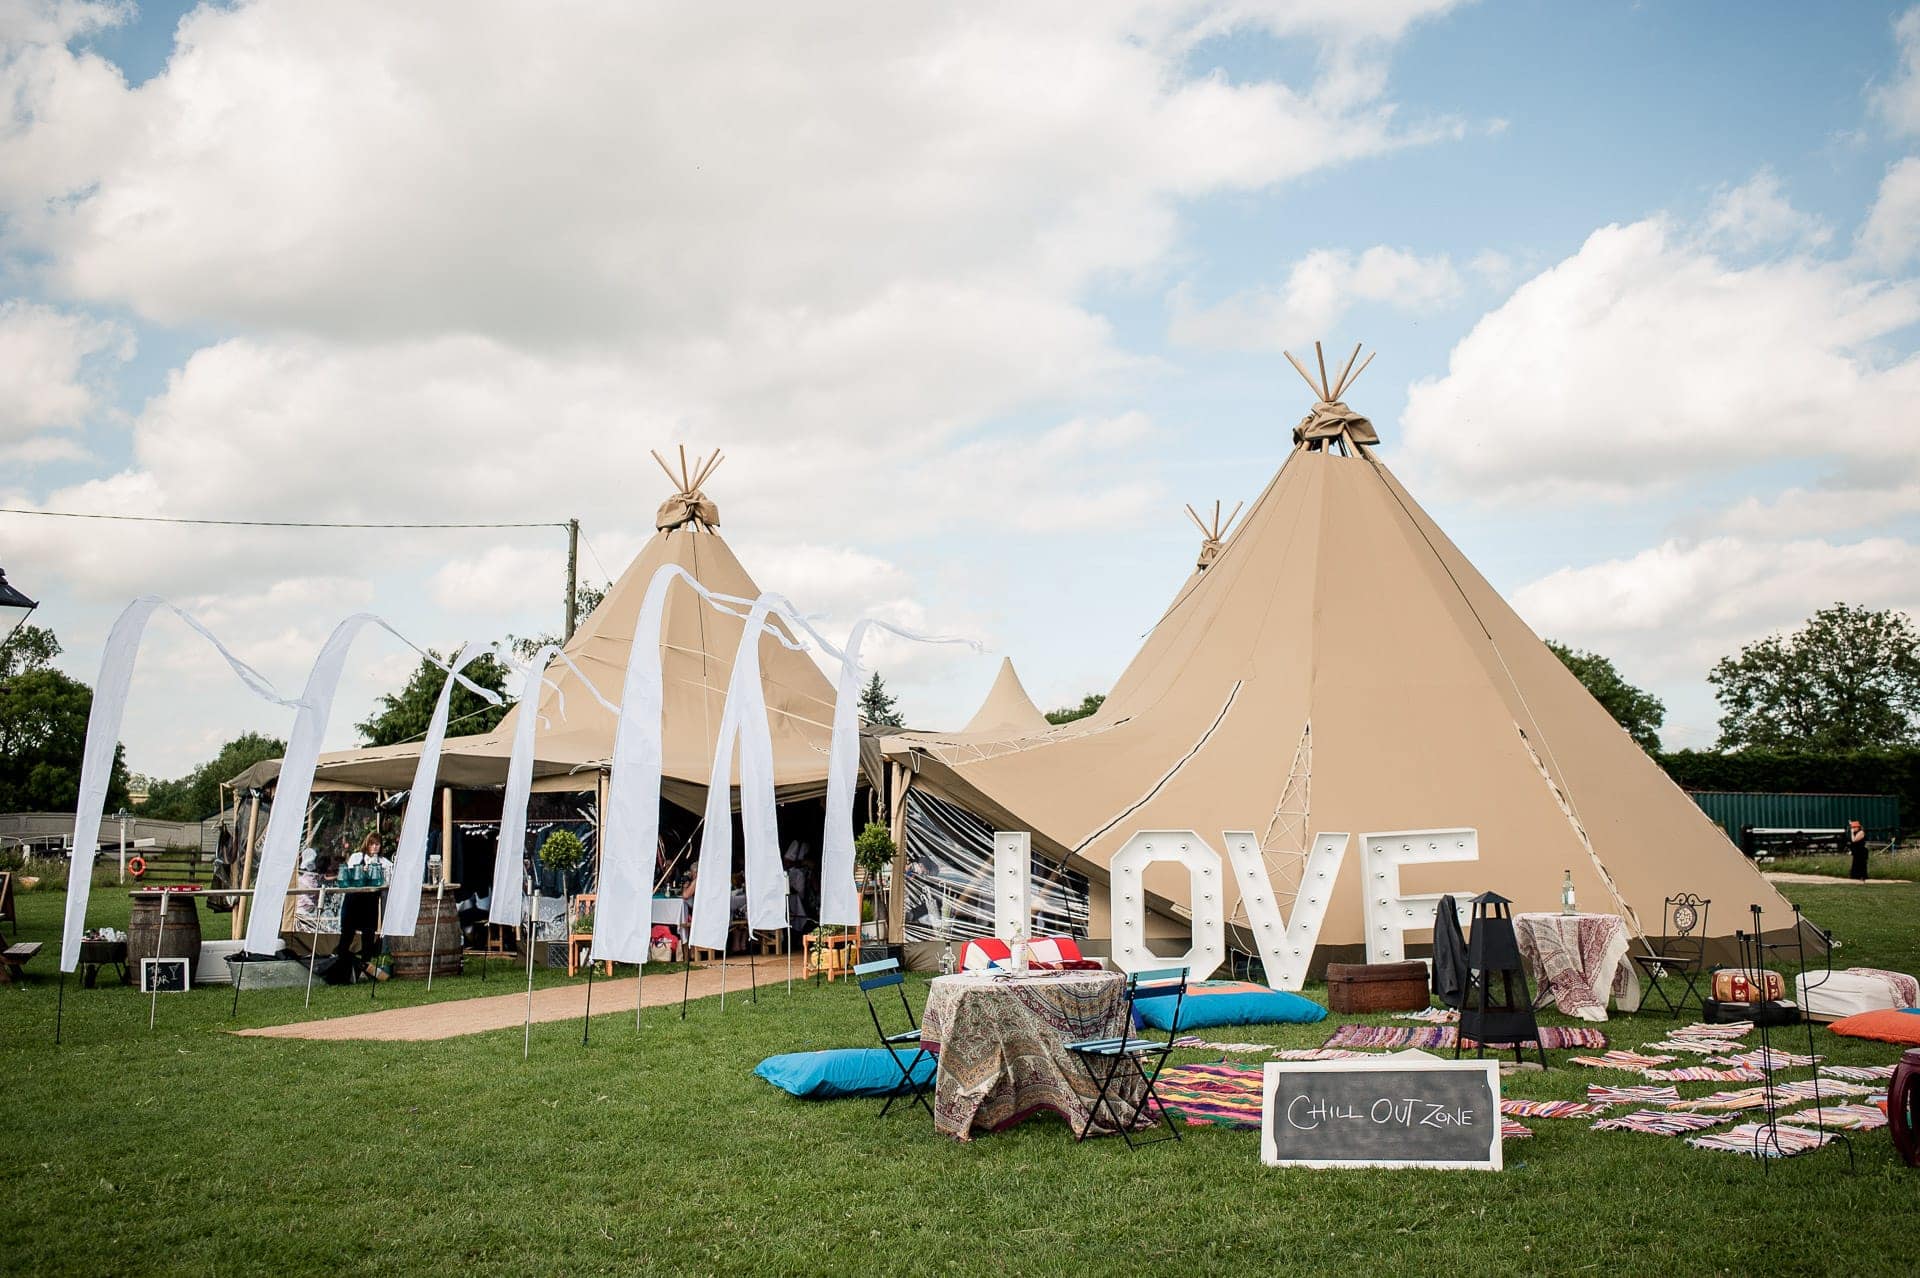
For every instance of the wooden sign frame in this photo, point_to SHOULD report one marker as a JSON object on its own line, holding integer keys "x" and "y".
{"x": 1414, "y": 1062}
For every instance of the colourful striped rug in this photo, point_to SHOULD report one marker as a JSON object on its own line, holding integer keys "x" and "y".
{"x": 1658, "y": 1122}
{"x": 1706, "y": 1074}
{"x": 1849, "y": 1118}
{"x": 1757, "y": 1140}
{"x": 1510, "y": 1130}
{"x": 1621, "y": 1060}
{"x": 1211, "y": 1095}
{"x": 1517, "y": 1108}
{"x": 1636, "y": 1094}
{"x": 1858, "y": 1073}
{"x": 1552, "y": 1037}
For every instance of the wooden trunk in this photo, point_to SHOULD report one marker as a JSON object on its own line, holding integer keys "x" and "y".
{"x": 1377, "y": 987}
{"x": 436, "y": 934}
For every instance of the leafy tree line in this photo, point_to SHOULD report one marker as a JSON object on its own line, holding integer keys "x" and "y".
{"x": 43, "y": 729}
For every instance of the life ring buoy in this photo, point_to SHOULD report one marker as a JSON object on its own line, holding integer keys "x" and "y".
{"x": 137, "y": 866}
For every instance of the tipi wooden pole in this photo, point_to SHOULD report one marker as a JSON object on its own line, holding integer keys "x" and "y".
{"x": 246, "y": 868}
{"x": 1301, "y": 369}
{"x": 1340, "y": 386}
{"x": 1321, "y": 357}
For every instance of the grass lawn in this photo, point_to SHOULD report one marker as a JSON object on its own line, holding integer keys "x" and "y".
{"x": 190, "y": 1150}
{"x": 1903, "y": 863}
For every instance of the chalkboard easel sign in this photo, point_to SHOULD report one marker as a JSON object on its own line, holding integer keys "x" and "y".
{"x": 1404, "y": 1110}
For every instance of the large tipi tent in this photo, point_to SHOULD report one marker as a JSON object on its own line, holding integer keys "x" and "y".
{"x": 1008, "y": 710}
{"x": 697, "y": 644}
{"x": 1340, "y": 666}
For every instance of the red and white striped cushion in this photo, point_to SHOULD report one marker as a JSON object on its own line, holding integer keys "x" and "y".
{"x": 1050, "y": 951}
{"x": 976, "y": 955}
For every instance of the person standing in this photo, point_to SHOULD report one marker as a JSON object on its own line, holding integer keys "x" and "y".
{"x": 1857, "y": 844}
{"x": 360, "y": 914}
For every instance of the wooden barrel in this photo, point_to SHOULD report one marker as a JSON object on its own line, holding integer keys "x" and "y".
{"x": 179, "y": 938}
{"x": 436, "y": 933}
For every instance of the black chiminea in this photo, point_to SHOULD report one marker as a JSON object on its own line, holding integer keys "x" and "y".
{"x": 1497, "y": 1015}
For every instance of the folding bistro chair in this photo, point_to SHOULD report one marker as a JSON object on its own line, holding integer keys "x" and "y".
{"x": 878, "y": 975}
{"x": 1106, "y": 1060}
{"x": 1682, "y": 950}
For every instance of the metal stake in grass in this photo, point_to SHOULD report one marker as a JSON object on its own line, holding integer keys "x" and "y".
{"x": 313, "y": 951}
{"x": 586, "y": 1020}
{"x": 153, "y": 1009}
{"x": 60, "y": 1009}
{"x": 532, "y": 932}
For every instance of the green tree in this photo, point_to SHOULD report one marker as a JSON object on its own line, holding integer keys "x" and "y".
{"x": 1088, "y": 704}
{"x": 196, "y": 796}
{"x": 404, "y": 716}
{"x": 1640, "y": 713}
{"x": 43, "y": 737}
{"x": 1849, "y": 679}
{"x": 876, "y": 704}
{"x": 28, "y": 648}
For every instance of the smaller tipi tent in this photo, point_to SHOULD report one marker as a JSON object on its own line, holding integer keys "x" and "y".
{"x": 1008, "y": 711}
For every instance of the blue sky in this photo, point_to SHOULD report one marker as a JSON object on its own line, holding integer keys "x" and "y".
{"x": 974, "y": 307}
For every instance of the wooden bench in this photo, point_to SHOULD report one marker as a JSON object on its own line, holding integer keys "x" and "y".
{"x": 14, "y": 958}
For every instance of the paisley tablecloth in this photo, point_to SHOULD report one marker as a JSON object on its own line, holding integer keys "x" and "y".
{"x": 1580, "y": 961}
{"x": 1000, "y": 1041}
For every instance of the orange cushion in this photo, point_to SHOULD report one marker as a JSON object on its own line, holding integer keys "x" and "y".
{"x": 1888, "y": 1025}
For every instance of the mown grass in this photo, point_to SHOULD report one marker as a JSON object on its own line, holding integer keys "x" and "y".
{"x": 190, "y": 1150}
{"x": 1901, "y": 863}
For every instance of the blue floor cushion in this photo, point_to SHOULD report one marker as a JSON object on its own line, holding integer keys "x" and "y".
{"x": 1210, "y": 1003}
{"x": 843, "y": 1071}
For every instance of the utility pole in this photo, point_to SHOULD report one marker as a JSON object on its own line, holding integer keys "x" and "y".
{"x": 573, "y": 572}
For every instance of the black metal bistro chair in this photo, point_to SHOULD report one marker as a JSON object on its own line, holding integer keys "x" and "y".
{"x": 1681, "y": 950}
{"x": 878, "y": 975}
{"x": 1109, "y": 1060}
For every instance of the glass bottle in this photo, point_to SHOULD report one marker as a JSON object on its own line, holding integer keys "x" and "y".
{"x": 1566, "y": 894}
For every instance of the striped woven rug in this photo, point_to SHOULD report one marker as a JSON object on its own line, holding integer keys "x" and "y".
{"x": 1553, "y": 1037}
{"x": 1211, "y": 1095}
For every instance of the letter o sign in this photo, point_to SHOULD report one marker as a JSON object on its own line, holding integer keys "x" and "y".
{"x": 1128, "y": 904}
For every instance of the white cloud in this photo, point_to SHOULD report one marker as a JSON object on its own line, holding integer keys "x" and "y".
{"x": 1800, "y": 512}
{"x": 369, "y": 168}
{"x": 49, "y": 362}
{"x": 1646, "y": 358}
{"x": 1756, "y": 215}
{"x": 1891, "y": 234}
{"x": 1674, "y": 609}
{"x": 1321, "y": 288}
{"x": 1898, "y": 101}
{"x": 53, "y": 22}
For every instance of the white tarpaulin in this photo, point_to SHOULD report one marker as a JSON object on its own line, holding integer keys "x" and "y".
{"x": 103, "y": 741}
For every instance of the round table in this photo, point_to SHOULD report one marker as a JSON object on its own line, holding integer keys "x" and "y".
{"x": 1001, "y": 1044}
{"x": 1579, "y": 961}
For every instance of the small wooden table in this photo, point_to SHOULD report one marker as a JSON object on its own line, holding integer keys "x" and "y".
{"x": 95, "y": 955}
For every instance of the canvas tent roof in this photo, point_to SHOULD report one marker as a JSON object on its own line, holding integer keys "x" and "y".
{"x": 1341, "y": 666}
{"x": 697, "y": 650}
{"x": 1008, "y": 710}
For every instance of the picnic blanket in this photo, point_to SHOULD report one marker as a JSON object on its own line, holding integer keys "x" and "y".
{"x": 1758, "y": 1140}
{"x": 1659, "y": 1122}
{"x": 1211, "y": 1095}
{"x": 1634, "y": 1094}
{"x": 1552, "y": 1037}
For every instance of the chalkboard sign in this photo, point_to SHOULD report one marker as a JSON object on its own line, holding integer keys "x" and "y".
{"x": 165, "y": 976}
{"x": 1404, "y": 1110}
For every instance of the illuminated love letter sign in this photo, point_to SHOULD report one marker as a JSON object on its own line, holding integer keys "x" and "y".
{"x": 1390, "y": 915}
{"x": 1286, "y": 943}
{"x": 1012, "y": 883}
{"x": 1208, "y": 949}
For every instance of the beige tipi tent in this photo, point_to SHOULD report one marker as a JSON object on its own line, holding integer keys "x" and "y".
{"x": 697, "y": 646}
{"x": 1340, "y": 666}
{"x": 1008, "y": 711}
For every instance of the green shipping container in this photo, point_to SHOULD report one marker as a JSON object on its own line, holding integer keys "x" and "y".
{"x": 1737, "y": 812}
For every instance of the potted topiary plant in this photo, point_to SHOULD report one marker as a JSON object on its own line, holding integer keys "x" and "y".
{"x": 561, "y": 854}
